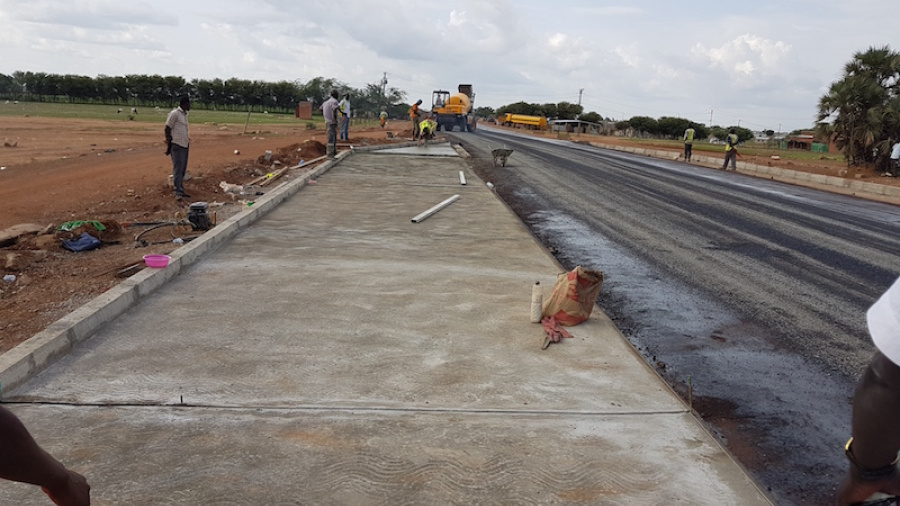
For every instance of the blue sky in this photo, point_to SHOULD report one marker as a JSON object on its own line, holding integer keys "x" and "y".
{"x": 761, "y": 64}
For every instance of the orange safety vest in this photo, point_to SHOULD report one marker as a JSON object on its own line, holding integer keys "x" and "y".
{"x": 414, "y": 111}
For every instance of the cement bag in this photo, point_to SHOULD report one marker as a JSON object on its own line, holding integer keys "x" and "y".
{"x": 572, "y": 298}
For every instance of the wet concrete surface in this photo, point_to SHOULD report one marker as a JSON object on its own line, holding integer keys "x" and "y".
{"x": 713, "y": 277}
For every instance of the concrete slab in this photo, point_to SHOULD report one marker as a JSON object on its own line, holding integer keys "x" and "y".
{"x": 433, "y": 149}
{"x": 336, "y": 353}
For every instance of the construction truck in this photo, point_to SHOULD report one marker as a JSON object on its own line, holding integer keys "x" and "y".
{"x": 523, "y": 120}
{"x": 454, "y": 110}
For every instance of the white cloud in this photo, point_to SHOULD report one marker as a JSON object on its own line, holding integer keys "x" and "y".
{"x": 650, "y": 58}
{"x": 748, "y": 59}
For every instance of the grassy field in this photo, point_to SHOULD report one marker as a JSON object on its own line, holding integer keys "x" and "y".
{"x": 144, "y": 114}
{"x": 747, "y": 150}
{"x": 154, "y": 115}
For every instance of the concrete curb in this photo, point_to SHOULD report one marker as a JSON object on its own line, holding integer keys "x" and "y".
{"x": 29, "y": 358}
{"x": 859, "y": 188}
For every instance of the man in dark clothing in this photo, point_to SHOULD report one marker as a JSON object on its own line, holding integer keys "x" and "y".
{"x": 178, "y": 141}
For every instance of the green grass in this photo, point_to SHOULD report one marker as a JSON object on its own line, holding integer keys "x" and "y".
{"x": 144, "y": 115}
{"x": 749, "y": 149}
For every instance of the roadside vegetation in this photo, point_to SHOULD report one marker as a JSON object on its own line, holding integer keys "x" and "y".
{"x": 861, "y": 110}
{"x": 233, "y": 95}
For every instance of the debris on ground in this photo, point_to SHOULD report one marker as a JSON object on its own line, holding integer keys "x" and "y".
{"x": 553, "y": 331}
{"x": 573, "y": 296}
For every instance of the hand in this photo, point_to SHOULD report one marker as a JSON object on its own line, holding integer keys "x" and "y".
{"x": 855, "y": 491}
{"x": 75, "y": 491}
{"x": 168, "y": 151}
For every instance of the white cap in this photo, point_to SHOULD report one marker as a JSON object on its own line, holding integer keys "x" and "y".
{"x": 884, "y": 323}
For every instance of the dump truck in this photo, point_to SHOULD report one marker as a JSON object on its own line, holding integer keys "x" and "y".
{"x": 454, "y": 110}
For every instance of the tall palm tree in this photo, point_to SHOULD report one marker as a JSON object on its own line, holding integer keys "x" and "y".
{"x": 863, "y": 107}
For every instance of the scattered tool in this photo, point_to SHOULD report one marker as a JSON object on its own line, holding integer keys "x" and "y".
{"x": 268, "y": 178}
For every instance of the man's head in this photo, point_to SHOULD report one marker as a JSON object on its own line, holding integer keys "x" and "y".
{"x": 334, "y": 94}
{"x": 347, "y": 96}
{"x": 419, "y": 102}
{"x": 185, "y": 103}
{"x": 731, "y": 131}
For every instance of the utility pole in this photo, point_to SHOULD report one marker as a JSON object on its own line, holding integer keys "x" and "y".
{"x": 580, "y": 93}
{"x": 384, "y": 89}
{"x": 710, "y": 117}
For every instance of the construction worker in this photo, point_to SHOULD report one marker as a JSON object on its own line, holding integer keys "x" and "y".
{"x": 688, "y": 143}
{"x": 383, "y": 117}
{"x": 344, "y": 108}
{"x": 416, "y": 117}
{"x": 872, "y": 451}
{"x": 731, "y": 150}
{"x": 330, "y": 111}
{"x": 426, "y": 130}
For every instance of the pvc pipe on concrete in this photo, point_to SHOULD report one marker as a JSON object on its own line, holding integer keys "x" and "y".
{"x": 462, "y": 178}
{"x": 422, "y": 216}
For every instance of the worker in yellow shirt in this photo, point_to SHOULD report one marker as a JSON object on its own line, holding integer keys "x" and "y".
{"x": 427, "y": 128}
{"x": 731, "y": 150}
{"x": 688, "y": 143}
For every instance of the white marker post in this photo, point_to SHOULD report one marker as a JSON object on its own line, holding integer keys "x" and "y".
{"x": 462, "y": 178}
{"x": 421, "y": 217}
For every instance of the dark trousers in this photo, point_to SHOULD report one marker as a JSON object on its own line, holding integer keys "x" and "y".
{"x": 345, "y": 128}
{"x": 687, "y": 151}
{"x": 730, "y": 155}
{"x": 179, "y": 167}
{"x": 331, "y": 147}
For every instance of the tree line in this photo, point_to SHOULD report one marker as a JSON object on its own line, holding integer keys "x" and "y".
{"x": 861, "y": 110}
{"x": 665, "y": 127}
{"x": 165, "y": 91}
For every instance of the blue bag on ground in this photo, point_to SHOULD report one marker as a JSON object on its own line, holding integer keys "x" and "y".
{"x": 84, "y": 243}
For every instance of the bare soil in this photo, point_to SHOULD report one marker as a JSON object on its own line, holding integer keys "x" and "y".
{"x": 56, "y": 171}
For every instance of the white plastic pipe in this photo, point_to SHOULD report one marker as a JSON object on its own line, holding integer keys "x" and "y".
{"x": 462, "y": 178}
{"x": 421, "y": 217}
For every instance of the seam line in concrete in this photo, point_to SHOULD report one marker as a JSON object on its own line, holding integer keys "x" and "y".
{"x": 235, "y": 407}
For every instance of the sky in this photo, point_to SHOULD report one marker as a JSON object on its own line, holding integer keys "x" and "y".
{"x": 760, "y": 64}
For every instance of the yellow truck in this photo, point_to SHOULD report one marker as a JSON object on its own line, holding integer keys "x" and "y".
{"x": 532, "y": 122}
{"x": 454, "y": 110}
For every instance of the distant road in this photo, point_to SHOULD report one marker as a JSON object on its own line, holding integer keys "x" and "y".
{"x": 751, "y": 291}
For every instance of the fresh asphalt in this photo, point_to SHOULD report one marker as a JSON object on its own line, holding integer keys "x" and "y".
{"x": 331, "y": 351}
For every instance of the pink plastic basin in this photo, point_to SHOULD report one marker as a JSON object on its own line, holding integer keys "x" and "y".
{"x": 157, "y": 261}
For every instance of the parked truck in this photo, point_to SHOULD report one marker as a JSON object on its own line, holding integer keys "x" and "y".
{"x": 454, "y": 110}
{"x": 523, "y": 120}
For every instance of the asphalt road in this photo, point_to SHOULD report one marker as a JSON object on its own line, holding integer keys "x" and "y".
{"x": 747, "y": 295}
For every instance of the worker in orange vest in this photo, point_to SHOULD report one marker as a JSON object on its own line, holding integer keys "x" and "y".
{"x": 415, "y": 116}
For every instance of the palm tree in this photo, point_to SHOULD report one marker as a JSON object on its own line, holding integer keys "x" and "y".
{"x": 863, "y": 107}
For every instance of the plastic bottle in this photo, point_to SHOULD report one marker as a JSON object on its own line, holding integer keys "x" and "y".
{"x": 537, "y": 302}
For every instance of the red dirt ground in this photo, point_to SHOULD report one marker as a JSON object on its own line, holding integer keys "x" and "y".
{"x": 115, "y": 172}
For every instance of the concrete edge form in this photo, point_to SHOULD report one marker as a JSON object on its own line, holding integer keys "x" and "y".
{"x": 32, "y": 356}
{"x": 855, "y": 187}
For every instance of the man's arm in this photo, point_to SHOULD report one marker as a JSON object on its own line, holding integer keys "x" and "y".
{"x": 168, "y": 139}
{"x": 22, "y": 460}
{"x": 876, "y": 435}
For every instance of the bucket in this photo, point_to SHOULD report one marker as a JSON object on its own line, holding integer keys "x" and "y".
{"x": 157, "y": 261}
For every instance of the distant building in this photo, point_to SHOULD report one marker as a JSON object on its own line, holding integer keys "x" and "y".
{"x": 807, "y": 140}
